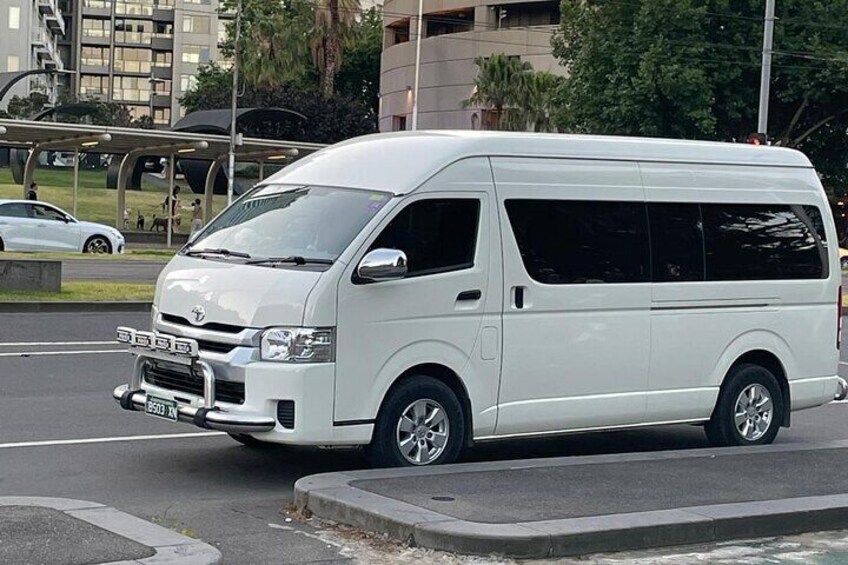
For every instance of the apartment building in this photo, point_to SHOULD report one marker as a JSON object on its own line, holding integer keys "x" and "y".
{"x": 142, "y": 53}
{"x": 29, "y": 39}
{"x": 454, "y": 33}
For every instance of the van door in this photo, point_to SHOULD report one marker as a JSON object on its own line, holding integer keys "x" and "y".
{"x": 432, "y": 316}
{"x": 576, "y": 322}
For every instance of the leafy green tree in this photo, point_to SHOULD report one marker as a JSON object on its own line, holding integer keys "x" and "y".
{"x": 538, "y": 101}
{"x": 690, "y": 69}
{"x": 333, "y": 25}
{"x": 24, "y": 108}
{"x": 498, "y": 87}
{"x": 359, "y": 76}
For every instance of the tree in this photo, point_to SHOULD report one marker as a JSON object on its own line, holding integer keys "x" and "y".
{"x": 690, "y": 69}
{"x": 333, "y": 23}
{"x": 359, "y": 76}
{"x": 537, "y": 101}
{"x": 498, "y": 86}
{"x": 25, "y": 108}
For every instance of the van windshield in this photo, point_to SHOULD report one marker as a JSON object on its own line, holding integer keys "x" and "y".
{"x": 284, "y": 223}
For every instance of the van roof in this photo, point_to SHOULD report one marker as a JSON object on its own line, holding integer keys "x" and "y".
{"x": 400, "y": 162}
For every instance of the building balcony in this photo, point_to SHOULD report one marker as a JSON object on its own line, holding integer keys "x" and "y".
{"x": 97, "y": 11}
{"x": 89, "y": 69}
{"x": 162, "y": 71}
{"x": 96, "y": 40}
{"x": 56, "y": 23}
{"x": 163, "y": 14}
{"x": 162, "y": 42}
{"x": 47, "y": 7}
{"x": 161, "y": 100}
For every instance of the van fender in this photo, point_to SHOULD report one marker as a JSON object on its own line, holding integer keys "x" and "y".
{"x": 447, "y": 355}
{"x": 754, "y": 340}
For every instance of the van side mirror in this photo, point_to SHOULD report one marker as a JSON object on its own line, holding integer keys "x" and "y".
{"x": 382, "y": 265}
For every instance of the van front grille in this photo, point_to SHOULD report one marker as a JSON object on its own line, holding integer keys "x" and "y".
{"x": 211, "y": 326}
{"x": 181, "y": 378}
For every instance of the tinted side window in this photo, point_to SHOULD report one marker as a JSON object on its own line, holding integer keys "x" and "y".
{"x": 763, "y": 242}
{"x": 574, "y": 242}
{"x": 677, "y": 242}
{"x": 13, "y": 211}
{"x": 436, "y": 235}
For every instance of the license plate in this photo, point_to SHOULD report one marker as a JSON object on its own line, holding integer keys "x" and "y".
{"x": 161, "y": 408}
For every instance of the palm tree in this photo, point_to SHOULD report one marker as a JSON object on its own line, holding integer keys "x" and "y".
{"x": 537, "y": 105}
{"x": 333, "y": 19}
{"x": 498, "y": 87}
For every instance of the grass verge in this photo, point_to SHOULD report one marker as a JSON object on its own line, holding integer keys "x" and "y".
{"x": 85, "y": 292}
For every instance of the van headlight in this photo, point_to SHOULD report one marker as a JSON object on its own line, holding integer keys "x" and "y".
{"x": 298, "y": 345}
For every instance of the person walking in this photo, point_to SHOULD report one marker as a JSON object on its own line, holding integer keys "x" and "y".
{"x": 196, "y": 217}
{"x": 32, "y": 193}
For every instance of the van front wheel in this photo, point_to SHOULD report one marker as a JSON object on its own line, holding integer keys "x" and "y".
{"x": 749, "y": 410}
{"x": 420, "y": 423}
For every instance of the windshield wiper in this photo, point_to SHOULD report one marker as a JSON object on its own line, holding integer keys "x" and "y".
{"x": 294, "y": 260}
{"x": 219, "y": 251}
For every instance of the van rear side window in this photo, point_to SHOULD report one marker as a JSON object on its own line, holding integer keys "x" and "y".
{"x": 574, "y": 242}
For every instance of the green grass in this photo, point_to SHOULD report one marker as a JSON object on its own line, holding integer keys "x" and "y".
{"x": 163, "y": 255}
{"x": 85, "y": 292}
{"x": 95, "y": 202}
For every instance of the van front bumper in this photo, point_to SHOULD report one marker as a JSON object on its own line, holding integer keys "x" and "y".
{"x": 210, "y": 418}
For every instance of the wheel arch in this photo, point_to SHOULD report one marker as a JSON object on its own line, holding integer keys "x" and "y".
{"x": 445, "y": 375}
{"x": 772, "y": 362}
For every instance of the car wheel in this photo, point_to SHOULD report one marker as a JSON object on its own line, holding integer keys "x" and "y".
{"x": 843, "y": 262}
{"x": 2, "y": 245}
{"x": 249, "y": 440}
{"x": 97, "y": 245}
{"x": 420, "y": 423}
{"x": 749, "y": 410}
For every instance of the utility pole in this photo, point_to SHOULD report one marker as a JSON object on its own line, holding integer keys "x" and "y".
{"x": 765, "y": 79}
{"x": 417, "y": 66}
{"x": 231, "y": 169}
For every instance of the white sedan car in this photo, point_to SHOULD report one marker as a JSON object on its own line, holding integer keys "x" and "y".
{"x": 27, "y": 225}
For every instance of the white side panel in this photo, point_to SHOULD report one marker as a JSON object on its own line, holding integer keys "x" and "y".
{"x": 576, "y": 355}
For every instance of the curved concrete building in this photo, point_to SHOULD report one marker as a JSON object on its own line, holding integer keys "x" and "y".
{"x": 454, "y": 33}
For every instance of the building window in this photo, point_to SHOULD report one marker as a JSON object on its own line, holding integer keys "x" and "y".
{"x": 94, "y": 86}
{"x": 137, "y": 112}
{"x": 399, "y": 32}
{"x": 96, "y": 28}
{"x": 196, "y": 24}
{"x": 399, "y": 123}
{"x": 195, "y": 54}
{"x": 162, "y": 58}
{"x": 526, "y": 15}
{"x": 13, "y": 63}
{"x": 222, "y": 31}
{"x": 14, "y": 17}
{"x": 187, "y": 82}
{"x": 133, "y": 31}
{"x": 131, "y": 89}
{"x": 449, "y": 22}
{"x": 132, "y": 60}
{"x": 95, "y": 56}
{"x": 162, "y": 116}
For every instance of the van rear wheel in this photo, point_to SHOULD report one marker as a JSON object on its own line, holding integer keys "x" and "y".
{"x": 421, "y": 423}
{"x": 749, "y": 410}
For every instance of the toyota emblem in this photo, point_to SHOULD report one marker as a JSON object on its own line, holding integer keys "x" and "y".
{"x": 199, "y": 313}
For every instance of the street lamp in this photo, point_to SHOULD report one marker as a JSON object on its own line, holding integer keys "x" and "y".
{"x": 417, "y": 66}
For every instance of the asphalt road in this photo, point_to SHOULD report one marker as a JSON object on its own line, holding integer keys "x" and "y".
{"x": 57, "y": 372}
{"x": 113, "y": 270}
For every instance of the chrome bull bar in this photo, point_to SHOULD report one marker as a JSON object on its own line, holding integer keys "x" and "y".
{"x": 150, "y": 345}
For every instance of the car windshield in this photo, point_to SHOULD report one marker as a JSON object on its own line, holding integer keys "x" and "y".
{"x": 294, "y": 224}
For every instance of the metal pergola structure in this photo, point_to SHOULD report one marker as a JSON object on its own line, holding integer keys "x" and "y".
{"x": 134, "y": 144}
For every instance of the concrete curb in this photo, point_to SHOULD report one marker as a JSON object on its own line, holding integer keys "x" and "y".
{"x": 74, "y": 307}
{"x": 171, "y": 548}
{"x": 334, "y": 497}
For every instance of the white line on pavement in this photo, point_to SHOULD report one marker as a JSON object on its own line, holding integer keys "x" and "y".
{"x": 53, "y": 343}
{"x": 49, "y": 353}
{"x": 56, "y": 442}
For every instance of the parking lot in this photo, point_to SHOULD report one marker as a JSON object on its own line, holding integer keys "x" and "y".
{"x": 62, "y": 435}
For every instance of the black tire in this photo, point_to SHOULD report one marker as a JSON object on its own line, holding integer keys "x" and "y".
{"x": 384, "y": 450}
{"x": 722, "y": 429}
{"x": 97, "y": 244}
{"x": 2, "y": 245}
{"x": 248, "y": 440}
{"x": 843, "y": 262}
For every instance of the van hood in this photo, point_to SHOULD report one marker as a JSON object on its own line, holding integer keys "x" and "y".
{"x": 230, "y": 293}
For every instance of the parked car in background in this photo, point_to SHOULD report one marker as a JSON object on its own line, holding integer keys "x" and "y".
{"x": 38, "y": 226}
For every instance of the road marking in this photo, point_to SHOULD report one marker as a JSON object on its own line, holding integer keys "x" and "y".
{"x": 54, "y": 343}
{"x": 50, "y": 443}
{"x": 53, "y": 353}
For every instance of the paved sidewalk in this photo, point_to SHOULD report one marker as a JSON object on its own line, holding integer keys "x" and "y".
{"x": 58, "y": 531}
{"x": 581, "y": 505}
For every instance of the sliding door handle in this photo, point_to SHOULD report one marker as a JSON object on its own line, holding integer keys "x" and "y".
{"x": 470, "y": 295}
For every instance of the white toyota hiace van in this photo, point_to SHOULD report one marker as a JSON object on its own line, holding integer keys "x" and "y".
{"x": 414, "y": 293}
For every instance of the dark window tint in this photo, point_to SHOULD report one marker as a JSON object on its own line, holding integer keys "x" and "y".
{"x": 13, "y": 211}
{"x": 677, "y": 243}
{"x": 763, "y": 242}
{"x": 573, "y": 242}
{"x": 436, "y": 235}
